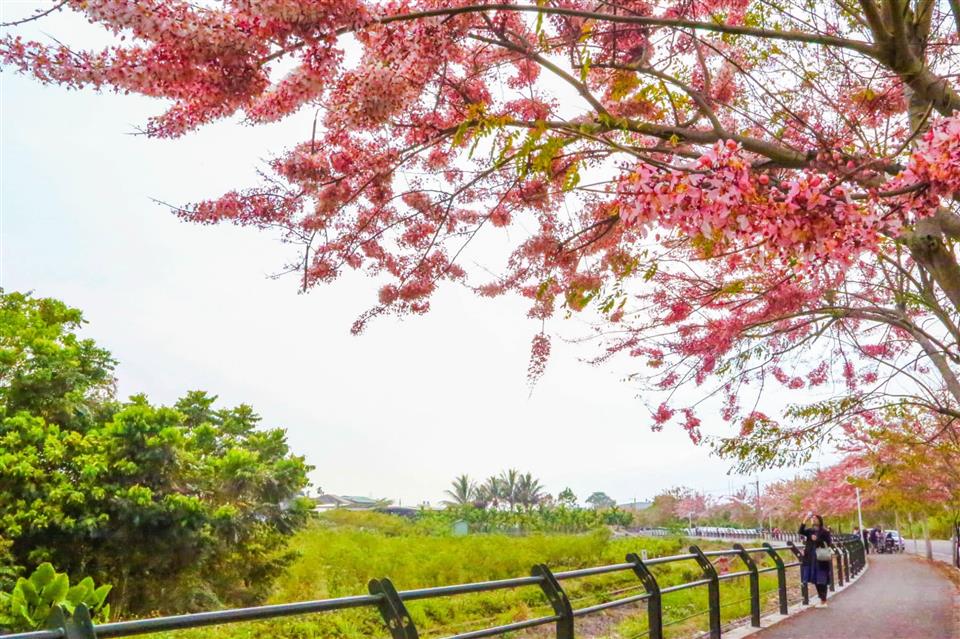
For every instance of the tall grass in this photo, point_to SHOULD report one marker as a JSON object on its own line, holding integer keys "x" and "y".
{"x": 343, "y": 551}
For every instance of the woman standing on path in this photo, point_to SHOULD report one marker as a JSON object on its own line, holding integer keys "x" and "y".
{"x": 813, "y": 570}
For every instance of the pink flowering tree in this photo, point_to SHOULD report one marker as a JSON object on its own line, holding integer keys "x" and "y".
{"x": 741, "y": 507}
{"x": 909, "y": 465}
{"x": 833, "y": 492}
{"x": 692, "y": 506}
{"x": 782, "y": 501}
{"x": 914, "y": 465}
{"x": 747, "y": 196}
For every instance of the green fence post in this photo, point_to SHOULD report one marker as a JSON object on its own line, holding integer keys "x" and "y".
{"x": 832, "y": 584}
{"x": 655, "y": 602}
{"x": 754, "y": 584}
{"x": 781, "y": 578}
{"x": 804, "y": 587}
{"x": 845, "y": 549}
{"x": 713, "y": 590}
{"x": 839, "y": 554}
{"x": 75, "y": 626}
{"x": 558, "y": 599}
{"x": 392, "y": 610}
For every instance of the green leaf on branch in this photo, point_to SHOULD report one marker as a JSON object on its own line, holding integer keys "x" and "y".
{"x": 43, "y": 575}
{"x": 27, "y": 606}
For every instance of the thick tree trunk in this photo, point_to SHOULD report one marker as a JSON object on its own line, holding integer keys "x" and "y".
{"x": 937, "y": 358}
{"x": 927, "y": 243}
{"x": 902, "y": 42}
{"x": 955, "y": 548}
{"x": 913, "y": 534}
{"x": 926, "y": 538}
{"x": 930, "y": 86}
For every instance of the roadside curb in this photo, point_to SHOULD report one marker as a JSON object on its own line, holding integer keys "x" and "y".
{"x": 773, "y": 619}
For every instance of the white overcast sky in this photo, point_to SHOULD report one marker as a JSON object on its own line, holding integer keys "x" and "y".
{"x": 395, "y": 413}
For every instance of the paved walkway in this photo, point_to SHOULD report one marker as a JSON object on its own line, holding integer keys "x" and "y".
{"x": 899, "y": 597}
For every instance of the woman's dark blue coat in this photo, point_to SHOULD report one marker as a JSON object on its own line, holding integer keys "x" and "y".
{"x": 811, "y": 570}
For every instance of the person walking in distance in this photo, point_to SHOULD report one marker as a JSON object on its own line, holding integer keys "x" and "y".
{"x": 866, "y": 541}
{"x": 874, "y": 537}
{"x": 817, "y": 556}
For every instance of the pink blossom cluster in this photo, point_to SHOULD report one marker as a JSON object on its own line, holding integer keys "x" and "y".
{"x": 208, "y": 61}
{"x": 935, "y": 166}
{"x": 720, "y": 198}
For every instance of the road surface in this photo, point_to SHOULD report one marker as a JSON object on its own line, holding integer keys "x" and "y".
{"x": 899, "y": 597}
{"x": 941, "y": 548}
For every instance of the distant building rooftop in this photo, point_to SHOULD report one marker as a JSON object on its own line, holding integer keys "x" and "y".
{"x": 355, "y": 502}
{"x": 361, "y": 500}
{"x": 402, "y": 511}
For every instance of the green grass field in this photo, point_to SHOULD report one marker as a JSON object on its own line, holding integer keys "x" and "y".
{"x": 343, "y": 551}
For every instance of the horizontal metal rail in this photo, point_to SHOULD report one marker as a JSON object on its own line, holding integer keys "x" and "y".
{"x": 616, "y": 603}
{"x": 40, "y": 634}
{"x": 710, "y": 532}
{"x": 692, "y": 584}
{"x": 850, "y": 560}
{"x": 510, "y": 627}
{"x": 733, "y": 575}
{"x": 463, "y": 589}
{"x": 197, "y": 619}
{"x": 656, "y": 561}
{"x": 587, "y": 572}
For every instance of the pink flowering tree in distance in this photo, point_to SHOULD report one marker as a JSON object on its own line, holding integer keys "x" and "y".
{"x": 692, "y": 506}
{"x": 914, "y": 466}
{"x": 746, "y": 195}
{"x": 783, "y": 500}
{"x": 906, "y": 466}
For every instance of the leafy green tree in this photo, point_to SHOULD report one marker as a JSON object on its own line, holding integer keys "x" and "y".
{"x": 567, "y": 498}
{"x": 181, "y": 508}
{"x": 662, "y": 512}
{"x": 178, "y": 516}
{"x": 9, "y": 571}
{"x": 600, "y": 500}
{"x": 45, "y": 368}
{"x": 614, "y": 516}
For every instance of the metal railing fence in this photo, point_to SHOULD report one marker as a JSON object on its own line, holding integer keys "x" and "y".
{"x": 710, "y": 532}
{"x": 848, "y": 554}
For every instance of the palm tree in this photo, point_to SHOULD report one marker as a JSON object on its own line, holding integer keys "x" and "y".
{"x": 462, "y": 491}
{"x": 508, "y": 486}
{"x": 491, "y": 493}
{"x": 529, "y": 491}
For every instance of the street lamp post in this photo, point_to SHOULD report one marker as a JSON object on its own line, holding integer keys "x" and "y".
{"x": 859, "y": 512}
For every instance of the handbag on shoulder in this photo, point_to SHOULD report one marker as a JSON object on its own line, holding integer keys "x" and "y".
{"x": 824, "y": 554}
